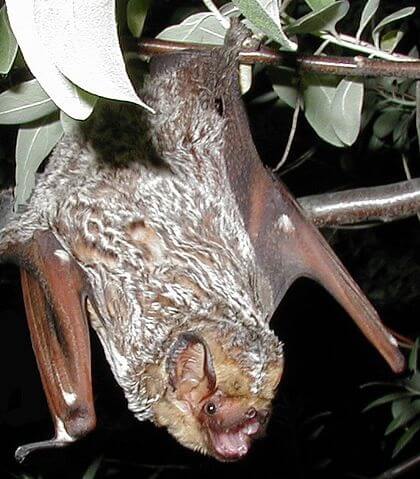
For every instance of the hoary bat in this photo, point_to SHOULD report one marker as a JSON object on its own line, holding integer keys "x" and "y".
{"x": 167, "y": 234}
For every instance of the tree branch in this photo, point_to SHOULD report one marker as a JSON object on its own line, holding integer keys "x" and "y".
{"x": 379, "y": 203}
{"x": 343, "y": 66}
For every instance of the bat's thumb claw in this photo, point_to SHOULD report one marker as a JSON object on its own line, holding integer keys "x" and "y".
{"x": 23, "y": 452}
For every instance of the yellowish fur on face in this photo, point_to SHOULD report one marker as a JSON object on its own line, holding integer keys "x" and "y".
{"x": 234, "y": 381}
{"x": 184, "y": 418}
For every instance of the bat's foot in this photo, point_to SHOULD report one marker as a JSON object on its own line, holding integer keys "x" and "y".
{"x": 22, "y": 452}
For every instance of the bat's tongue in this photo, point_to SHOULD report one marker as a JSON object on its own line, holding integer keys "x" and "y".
{"x": 234, "y": 443}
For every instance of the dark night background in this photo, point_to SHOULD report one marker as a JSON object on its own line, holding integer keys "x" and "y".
{"x": 317, "y": 429}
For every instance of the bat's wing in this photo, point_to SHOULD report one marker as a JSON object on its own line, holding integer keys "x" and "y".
{"x": 55, "y": 292}
{"x": 287, "y": 245}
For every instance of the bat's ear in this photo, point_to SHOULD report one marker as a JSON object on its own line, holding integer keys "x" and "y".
{"x": 190, "y": 367}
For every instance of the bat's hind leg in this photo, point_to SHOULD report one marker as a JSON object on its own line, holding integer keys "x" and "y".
{"x": 55, "y": 293}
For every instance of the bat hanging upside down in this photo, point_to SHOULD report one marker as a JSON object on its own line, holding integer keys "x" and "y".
{"x": 166, "y": 233}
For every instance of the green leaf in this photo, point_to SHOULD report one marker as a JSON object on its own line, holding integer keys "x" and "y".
{"x": 70, "y": 125}
{"x": 284, "y": 84}
{"x": 375, "y": 143}
{"x": 73, "y": 50}
{"x": 324, "y": 19}
{"x": 367, "y": 14}
{"x": 319, "y": 4}
{"x": 136, "y": 15}
{"x": 413, "y": 383}
{"x": 398, "y": 15}
{"x": 33, "y": 145}
{"x": 318, "y": 95}
{"x": 202, "y": 27}
{"x": 412, "y": 360}
{"x": 24, "y": 103}
{"x": 399, "y": 406}
{"x": 269, "y": 25}
{"x": 400, "y": 132}
{"x": 386, "y": 123}
{"x": 390, "y": 40}
{"x": 92, "y": 469}
{"x": 406, "y": 437}
{"x": 386, "y": 399}
{"x": 8, "y": 45}
{"x": 410, "y": 412}
{"x": 199, "y": 28}
{"x": 346, "y": 110}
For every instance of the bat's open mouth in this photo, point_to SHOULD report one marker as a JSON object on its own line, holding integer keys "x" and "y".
{"x": 232, "y": 444}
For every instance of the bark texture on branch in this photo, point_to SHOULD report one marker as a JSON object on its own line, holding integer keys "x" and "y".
{"x": 378, "y": 203}
{"x": 343, "y": 66}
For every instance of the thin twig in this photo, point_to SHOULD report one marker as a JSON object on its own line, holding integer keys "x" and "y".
{"x": 343, "y": 66}
{"x": 379, "y": 203}
{"x": 401, "y": 469}
{"x": 361, "y": 46}
{"x": 291, "y": 135}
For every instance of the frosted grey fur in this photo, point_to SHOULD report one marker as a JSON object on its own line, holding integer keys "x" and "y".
{"x": 161, "y": 174}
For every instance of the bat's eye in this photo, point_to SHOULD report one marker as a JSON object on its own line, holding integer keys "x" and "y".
{"x": 210, "y": 408}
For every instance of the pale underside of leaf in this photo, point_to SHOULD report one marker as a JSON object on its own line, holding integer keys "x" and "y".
{"x": 64, "y": 93}
{"x": 318, "y": 97}
{"x": 82, "y": 40}
{"x": 319, "y": 4}
{"x": 272, "y": 8}
{"x": 32, "y": 147}
{"x": 368, "y": 12}
{"x": 198, "y": 28}
{"x": 24, "y": 103}
{"x": 8, "y": 45}
{"x": 398, "y": 15}
{"x": 346, "y": 110}
{"x": 323, "y": 19}
{"x": 283, "y": 85}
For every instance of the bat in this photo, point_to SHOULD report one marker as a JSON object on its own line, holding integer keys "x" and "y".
{"x": 168, "y": 236}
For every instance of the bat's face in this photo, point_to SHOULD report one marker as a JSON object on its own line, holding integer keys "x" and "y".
{"x": 211, "y": 405}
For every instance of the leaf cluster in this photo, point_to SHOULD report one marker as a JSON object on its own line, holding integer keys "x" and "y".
{"x": 75, "y": 55}
{"x": 404, "y": 402}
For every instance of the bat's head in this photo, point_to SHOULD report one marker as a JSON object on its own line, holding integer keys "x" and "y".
{"x": 219, "y": 397}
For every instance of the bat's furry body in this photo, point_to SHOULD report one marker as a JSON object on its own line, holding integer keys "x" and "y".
{"x": 160, "y": 238}
{"x": 176, "y": 231}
